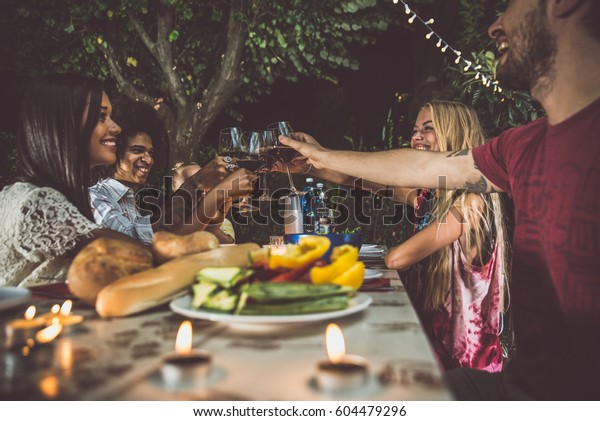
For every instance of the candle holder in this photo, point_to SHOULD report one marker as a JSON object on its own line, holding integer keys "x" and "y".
{"x": 350, "y": 372}
{"x": 21, "y": 332}
{"x": 192, "y": 367}
{"x": 70, "y": 322}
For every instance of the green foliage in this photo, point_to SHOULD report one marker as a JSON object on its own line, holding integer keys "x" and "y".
{"x": 283, "y": 39}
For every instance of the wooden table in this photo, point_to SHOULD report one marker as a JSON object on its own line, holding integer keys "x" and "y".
{"x": 120, "y": 359}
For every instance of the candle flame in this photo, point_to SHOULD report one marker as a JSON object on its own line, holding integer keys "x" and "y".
{"x": 336, "y": 347}
{"x": 49, "y": 333}
{"x": 183, "y": 343}
{"x": 55, "y": 309}
{"x": 65, "y": 309}
{"x": 30, "y": 313}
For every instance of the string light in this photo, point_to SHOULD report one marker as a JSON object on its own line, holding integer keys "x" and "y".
{"x": 467, "y": 64}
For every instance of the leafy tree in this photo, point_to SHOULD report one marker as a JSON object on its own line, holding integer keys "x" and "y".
{"x": 192, "y": 60}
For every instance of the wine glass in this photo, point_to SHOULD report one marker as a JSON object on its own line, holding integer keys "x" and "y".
{"x": 230, "y": 142}
{"x": 270, "y": 140}
{"x": 251, "y": 157}
{"x": 280, "y": 152}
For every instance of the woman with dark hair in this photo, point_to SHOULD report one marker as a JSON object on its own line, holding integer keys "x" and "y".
{"x": 65, "y": 129}
{"x": 195, "y": 207}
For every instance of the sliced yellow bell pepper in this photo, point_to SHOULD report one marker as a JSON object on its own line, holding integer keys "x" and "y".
{"x": 352, "y": 277}
{"x": 308, "y": 250}
{"x": 342, "y": 258}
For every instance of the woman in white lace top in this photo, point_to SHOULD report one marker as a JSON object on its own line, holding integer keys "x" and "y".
{"x": 65, "y": 129}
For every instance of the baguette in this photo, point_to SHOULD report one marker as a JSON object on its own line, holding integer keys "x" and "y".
{"x": 141, "y": 291}
{"x": 103, "y": 261}
{"x": 167, "y": 246}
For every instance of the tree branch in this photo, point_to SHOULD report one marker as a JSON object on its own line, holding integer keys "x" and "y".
{"x": 228, "y": 74}
{"x": 139, "y": 28}
{"x": 166, "y": 23}
{"x": 128, "y": 88}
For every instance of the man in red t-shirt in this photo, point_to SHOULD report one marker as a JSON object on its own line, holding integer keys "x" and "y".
{"x": 551, "y": 168}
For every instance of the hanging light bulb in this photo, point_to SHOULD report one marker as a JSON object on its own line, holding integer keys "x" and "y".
{"x": 395, "y": 1}
{"x": 429, "y": 35}
{"x": 477, "y": 75}
{"x": 406, "y": 9}
{"x": 412, "y": 18}
{"x": 467, "y": 66}
{"x": 445, "y": 48}
{"x": 457, "y": 59}
{"x": 439, "y": 43}
{"x": 499, "y": 89}
{"x": 478, "y": 67}
{"x": 429, "y": 22}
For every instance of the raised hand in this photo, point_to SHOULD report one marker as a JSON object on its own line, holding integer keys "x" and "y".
{"x": 308, "y": 147}
{"x": 239, "y": 183}
{"x": 211, "y": 174}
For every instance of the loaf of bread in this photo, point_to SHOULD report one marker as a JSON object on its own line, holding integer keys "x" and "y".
{"x": 103, "y": 261}
{"x": 143, "y": 290}
{"x": 167, "y": 246}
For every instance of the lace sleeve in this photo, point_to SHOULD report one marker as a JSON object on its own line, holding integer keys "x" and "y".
{"x": 50, "y": 225}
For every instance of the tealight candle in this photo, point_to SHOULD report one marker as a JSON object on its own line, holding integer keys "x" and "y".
{"x": 69, "y": 321}
{"x": 22, "y": 331}
{"x": 341, "y": 371}
{"x": 186, "y": 365}
{"x": 276, "y": 245}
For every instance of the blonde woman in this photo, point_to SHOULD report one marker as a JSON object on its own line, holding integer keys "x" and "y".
{"x": 458, "y": 253}
{"x": 223, "y": 229}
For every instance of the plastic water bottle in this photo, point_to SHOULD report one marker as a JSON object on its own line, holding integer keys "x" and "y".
{"x": 307, "y": 206}
{"x": 309, "y": 191}
{"x": 320, "y": 210}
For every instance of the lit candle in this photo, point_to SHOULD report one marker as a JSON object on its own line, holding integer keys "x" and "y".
{"x": 186, "y": 365}
{"x": 48, "y": 334}
{"x": 22, "y": 331}
{"x": 68, "y": 320}
{"x": 276, "y": 245}
{"x": 340, "y": 371}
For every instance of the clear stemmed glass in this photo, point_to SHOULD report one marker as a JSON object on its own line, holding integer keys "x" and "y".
{"x": 269, "y": 138}
{"x": 230, "y": 142}
{"x": 252, "y": 158}
{"x": 280, "y": 152}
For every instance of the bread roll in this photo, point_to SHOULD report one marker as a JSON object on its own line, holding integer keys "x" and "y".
{"x": 141, "y": 291}
{"x": 167, "y": 246}
{"x": 103, "y": 261}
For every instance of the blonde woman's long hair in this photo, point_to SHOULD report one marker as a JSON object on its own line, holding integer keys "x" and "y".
{"x": 457, "y": 127}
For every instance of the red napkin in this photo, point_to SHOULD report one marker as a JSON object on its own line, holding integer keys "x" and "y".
{"x": 378, "y": 284}
{"x": 43, "y": 292}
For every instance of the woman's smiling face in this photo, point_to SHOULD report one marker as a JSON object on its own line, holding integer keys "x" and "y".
{"x": 103, "y": 144}
{"x": 423, "y": 136}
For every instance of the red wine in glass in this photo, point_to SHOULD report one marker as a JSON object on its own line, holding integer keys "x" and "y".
{"x": 282, "y": 153}
{"x": 251, "y": 163}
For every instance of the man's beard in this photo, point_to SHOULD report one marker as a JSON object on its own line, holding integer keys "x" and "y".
{"x": 531, "y": 54}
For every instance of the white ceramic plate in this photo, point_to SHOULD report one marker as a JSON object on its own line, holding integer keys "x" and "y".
{"x": 369, "y": 247}
{"x": 12, "y": 297}
{"x": 372, "y": 274}
{"x": 182, "y": 305}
